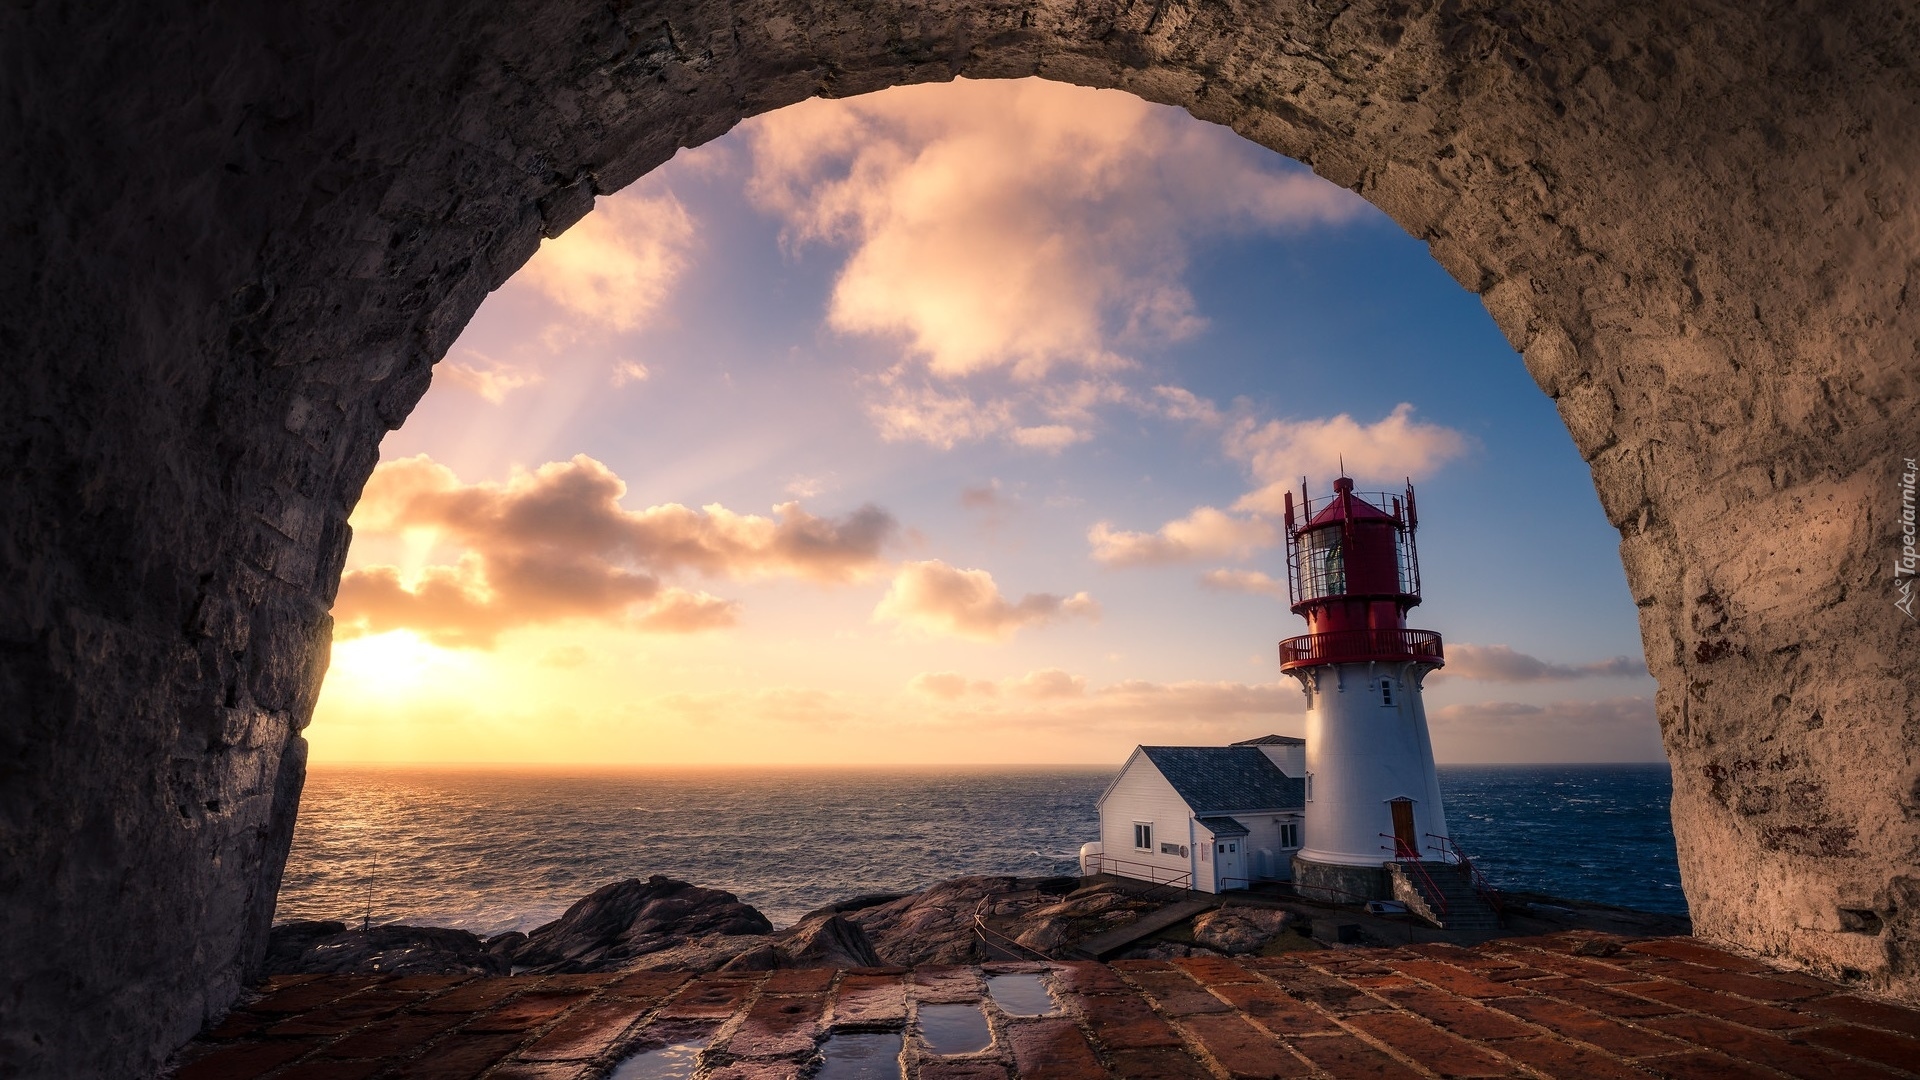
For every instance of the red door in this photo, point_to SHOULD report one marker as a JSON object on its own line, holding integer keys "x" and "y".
{"x": 1406, "y": 845}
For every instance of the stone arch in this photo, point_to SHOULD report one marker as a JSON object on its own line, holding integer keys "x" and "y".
{"x": 240, "y": 237}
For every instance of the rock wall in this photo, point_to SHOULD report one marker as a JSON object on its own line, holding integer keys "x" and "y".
{"x": 238, "y": 236}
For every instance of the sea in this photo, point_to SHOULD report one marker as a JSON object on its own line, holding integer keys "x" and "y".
{"x": 497, "y": 849}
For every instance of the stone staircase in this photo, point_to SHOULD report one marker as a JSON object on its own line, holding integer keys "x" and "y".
{"x": 1442, "y": 893}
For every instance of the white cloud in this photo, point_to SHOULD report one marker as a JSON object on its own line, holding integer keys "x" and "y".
{"x": 1019, "y": 229}
{"x": 1279, "y": 452}
{"x": 1204, "y": 533}
{"x": 1049, "y": 683}
{"x": 1246, "y": 581}
{"x": 617, "y": 265}
{"x": 939, "y": 599}
{"x": 630, "y": 371}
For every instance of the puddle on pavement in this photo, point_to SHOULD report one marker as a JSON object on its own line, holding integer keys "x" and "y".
{"x": 1022, "y": 995}
{"x": 674, "y": 1061}
{"x": 863, "y": 1057}
{"x": 954, "y": 1029}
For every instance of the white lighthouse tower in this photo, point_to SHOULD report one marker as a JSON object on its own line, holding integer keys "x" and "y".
{"x": 1372, "y": 794}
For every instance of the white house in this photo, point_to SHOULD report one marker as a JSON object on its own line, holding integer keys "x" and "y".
{"x": 1208, "y": 818}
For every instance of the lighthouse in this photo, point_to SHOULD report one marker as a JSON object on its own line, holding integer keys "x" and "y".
{"x": 1372, "y": 795}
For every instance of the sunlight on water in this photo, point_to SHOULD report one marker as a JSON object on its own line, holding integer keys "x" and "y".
{"x": 674, "y": 1061}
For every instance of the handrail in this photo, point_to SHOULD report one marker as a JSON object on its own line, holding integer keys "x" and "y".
{"x": 1182, "y": 880}
{"x": 1382, "y": 644}
{"x": 1481, "y": 886}
{"x": 987, "y": 934}
{"x": 1406, "y": 856}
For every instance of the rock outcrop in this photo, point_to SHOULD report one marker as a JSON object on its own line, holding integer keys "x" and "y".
{"x": 617, "y": 924}
{"x": 330, "y": 948}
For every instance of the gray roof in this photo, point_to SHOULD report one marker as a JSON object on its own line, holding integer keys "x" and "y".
{"x": 1272, "y": 740}
{"x": 1217, "y": 779}
{"x": 1223, "y": 827}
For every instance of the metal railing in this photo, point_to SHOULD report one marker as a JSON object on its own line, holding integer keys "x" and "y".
{"x": 994, "y": 939}
{"x": 1361, "y": 645}
{"x": 1158, "y": 876}
{"x": 1407, "y": 857}
{"x": 1481, "y": 886}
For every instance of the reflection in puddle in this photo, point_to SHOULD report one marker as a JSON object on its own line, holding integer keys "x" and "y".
{"x": 1022, "y": 995}
{"x": 863, "y": 1057}
{"x": 954, "y": 1029}
{"x": 674, "y": 1061}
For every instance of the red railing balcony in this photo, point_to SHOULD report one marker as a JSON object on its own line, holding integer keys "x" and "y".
{"x": 1361, "y": 646}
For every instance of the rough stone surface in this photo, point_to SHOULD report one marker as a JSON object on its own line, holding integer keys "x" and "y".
{"x": 1239, "y": 930}
{"x": 239, "y": 236}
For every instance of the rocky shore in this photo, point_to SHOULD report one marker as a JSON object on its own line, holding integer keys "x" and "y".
{"x": 661, "y": 924}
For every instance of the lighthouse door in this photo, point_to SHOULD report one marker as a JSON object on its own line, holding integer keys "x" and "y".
{"x": 1406, "y": 844}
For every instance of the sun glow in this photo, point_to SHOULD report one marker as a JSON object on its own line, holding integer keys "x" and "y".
{"x": 392, "y": 664}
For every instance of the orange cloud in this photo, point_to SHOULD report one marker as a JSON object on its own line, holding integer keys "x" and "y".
{"x": 1613, "y": 729}
{"x": 555, "y": 544}
{"x": 617, "y": 265}
{"x": 936, "y": 598}
{"x": 1205, "y": 533}
{"x": 1502, "y": 663}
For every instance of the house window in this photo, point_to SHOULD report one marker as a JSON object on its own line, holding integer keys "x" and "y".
{"x": 1290, "y": 834}
{"x": 1309, "y": 787}
{"x": 1386, "y": 692}
{"x": 1142, "y": 836}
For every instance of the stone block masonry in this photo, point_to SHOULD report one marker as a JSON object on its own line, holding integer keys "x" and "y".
{"x": 1579, "y": 1005}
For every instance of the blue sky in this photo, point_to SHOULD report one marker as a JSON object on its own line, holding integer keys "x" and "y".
{"x": 1032, "y": 361}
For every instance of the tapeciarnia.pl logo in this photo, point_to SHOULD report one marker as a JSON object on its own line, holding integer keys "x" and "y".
{"x": 1905, "y": 566}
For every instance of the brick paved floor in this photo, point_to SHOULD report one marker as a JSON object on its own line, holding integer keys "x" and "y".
{"x": 1571, "y": 1005}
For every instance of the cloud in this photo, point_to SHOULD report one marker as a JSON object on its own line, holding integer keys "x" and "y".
{"x": 983, "y": 497}
{"x": 1049, "y": 683}
{"x": 555, "y": 544}
{"x": 489, "y": 379}
{"x": 1612, "y": 729}
{"x": 1014, "y": 228}
{"x": 617, "y": 265}
{"x": 1246, "y": 581}
{"x": 938, "y": 599}
{"x": 630, "y": 371}
{"x": 1179, "y": 403}
{"x": 1278, "y": 452}
{"x": 1205, "y": 533}
{"x": 949, "y": 686}
{"x": 1501, "y": 663}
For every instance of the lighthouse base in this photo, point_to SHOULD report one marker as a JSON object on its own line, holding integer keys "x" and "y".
{"x": 1334, "y": 883}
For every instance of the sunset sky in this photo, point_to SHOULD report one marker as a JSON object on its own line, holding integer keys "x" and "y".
{"x": 948, "y": 424}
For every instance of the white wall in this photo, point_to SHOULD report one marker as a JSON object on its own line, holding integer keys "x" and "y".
{"x": 1291, "y": 760}
{"x": 1142, "y": 794}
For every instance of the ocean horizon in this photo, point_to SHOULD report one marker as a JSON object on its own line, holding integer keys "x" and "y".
{"x": 489, "y": 847}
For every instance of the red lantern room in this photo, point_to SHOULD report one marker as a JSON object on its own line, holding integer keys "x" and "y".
{"x": 1352, "y": 572}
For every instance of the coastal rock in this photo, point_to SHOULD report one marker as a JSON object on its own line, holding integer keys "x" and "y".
{"x": 330, "y": 948}
{"x": 834, "y": 942}
{"x": 934, "y": 926}
{"x": 1238, "y": 931}
{"x": 618, "y": 924}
